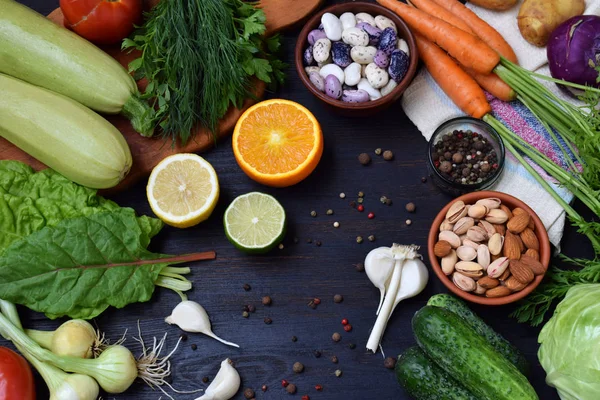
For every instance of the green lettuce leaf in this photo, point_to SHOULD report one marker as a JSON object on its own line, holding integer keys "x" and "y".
{"x": 82, "y": 265}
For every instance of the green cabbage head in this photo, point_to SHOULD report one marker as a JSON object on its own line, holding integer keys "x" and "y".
{"x": 570, "y": 345}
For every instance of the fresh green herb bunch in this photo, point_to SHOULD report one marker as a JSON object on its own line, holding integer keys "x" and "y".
{"x": 199, "y": 57}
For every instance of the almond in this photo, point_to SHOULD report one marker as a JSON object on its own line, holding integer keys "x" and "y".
{"x": 530, "y": 239}
{"x": 501, "y": 229}
{"x": 488, "y": 283}
{"x": 512, "y": 246}
{"x": 533, "y": 254}
{"x": 521, "y": 272}
{"x": 517, "y": 210}
{"x": 513, "y": 284}
{"x": 531, "y": 224}
{"x": 521, "y": 244}
{"x": 533, "y": 264}
{"x": 442, "y": 248}
{"x": 518, "y": 223}
{"x": 504, "y": 276}
{"x": 499, "y": 291}
{"x": 506, "y": 210}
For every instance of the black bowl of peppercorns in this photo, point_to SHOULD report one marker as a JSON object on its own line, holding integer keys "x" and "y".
{"x": 465, "y": 155}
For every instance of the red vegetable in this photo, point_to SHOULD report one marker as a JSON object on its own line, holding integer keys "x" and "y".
{"x": 16, "y": 379}
{"x": 102, "y": 21}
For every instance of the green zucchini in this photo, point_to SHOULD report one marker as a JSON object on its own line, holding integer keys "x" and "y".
{"x": 467, "y": 356}
{"x": 502, "y": 346}
{"x": 66, "y": 136}
{"x": 38, "y": 51}
{"x": 425, "y": 380}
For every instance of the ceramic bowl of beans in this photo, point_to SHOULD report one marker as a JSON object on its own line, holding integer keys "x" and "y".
{"x": 357, "y": 57}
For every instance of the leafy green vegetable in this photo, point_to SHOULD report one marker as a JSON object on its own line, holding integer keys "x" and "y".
{"x": 569, "y": 351}
{"x": 199, "y": 57}
{"x": 83, "y": 265}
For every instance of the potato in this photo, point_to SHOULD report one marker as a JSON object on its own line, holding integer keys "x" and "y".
{"x": 498, "y": 5}
{"x": 538, "y": 18}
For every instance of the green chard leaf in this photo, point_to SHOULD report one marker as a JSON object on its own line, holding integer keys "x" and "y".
{"x": 83, "y": 265}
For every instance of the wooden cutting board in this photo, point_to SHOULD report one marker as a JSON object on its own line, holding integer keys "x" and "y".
{"x": 147, "y": 152}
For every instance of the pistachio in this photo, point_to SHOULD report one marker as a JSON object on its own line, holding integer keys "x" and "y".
{"x": 491, "y": 203}
{"x": 483, "y": 255}
{"x": 449, "y": 262}
{"x": 489, "y": 228}
{"x": 450, "y": 237}
{"x": 478, "y": 211}
{"x": 462, "y": 225}
{"x": 497, "y": 268}
{"x": 495, "y": 243}
{"x": 457, "y": 211}
{"x": 464, "y": 282}
{"x": 469, "y": 268}
{"x": 466, "y": 253}
{"x": 480, "y": 290}
{"x": 475, "y": 275}
{"x": 470, "y": 243}
{"x": 477, "y": 234}
{"x": 446, "y": 226}
{"x": 496, "y": 216}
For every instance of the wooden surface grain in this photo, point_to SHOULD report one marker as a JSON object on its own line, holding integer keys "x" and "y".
{"x": 299, "y": 272}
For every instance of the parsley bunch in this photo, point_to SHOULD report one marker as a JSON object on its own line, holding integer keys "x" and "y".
{"x": 200, "y": 57}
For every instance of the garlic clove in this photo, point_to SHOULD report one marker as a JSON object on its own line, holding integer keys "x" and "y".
{"x": 225, "y": 384}
{"x": 379, "y": 265}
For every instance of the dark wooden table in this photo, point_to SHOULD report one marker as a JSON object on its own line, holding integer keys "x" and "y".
{"x": 299, "y": 272}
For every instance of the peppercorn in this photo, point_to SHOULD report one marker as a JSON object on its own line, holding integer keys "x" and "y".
{"x": 329, "y": 212}
{"x": 360, "y": 267}
{"x": 294, "y": 339}
{"x": 245, "y": 308}
{"x": 284, "y": 383}
{"x": 205, "y": 379}
{"x": 410, "y": 207}
{"x": 345, "y": 321}
{"x": 446, "y": 167}
{"x": 194, "y": 347}
{"x": 317, "y": 301}
{"x": 352, "y": 204}
{"x": 280, "y": 246}
{"x": 338, "y": 298}
{"x": 249, "y": 393}
{"x": 352, "y": 346}
{"x": 360, "y": 200}
{"x": 338, "y": 372}
{"x": 309, "y": 241}
{"x": 264, "y": 388}
{"x": 336, "y": 337}
{"x": 342, "y": 195}
{"x": 305, "y": 397}
{"x": 318, "y": 388}
{"x": 336, "y": 224}
{"x": 317, "y": 354}
{"x": 457, "y": 158}
{"x": 313, "y": 213}
{"x": 389, "y": 362}
{"x": 360, "y": 208}
{"x": 298, "y": 367}
{"x": 183, "y": 337}
{"x": 334, "y": 359}
{"x": 291, "y": 388}
{"x": 251, "y": 308}
{"x": 247, "y": 287}
{"x": 378, "y": 151}
{"x": 348, "y": 328}
{"x": 371, "y": 215}
{"x": 318, "y": 243}
{"x": 266, "y": 300}
{"x": 245, "y": 314}
{"x": 408, "y": 222}
{"x": 364, "y": 158}
{"x": 388, "y": 155}
{"x": 382, "y": 199}
{"x": 361, "y": 194}
{"x": 424, "y": 179}
{"x": 371, "y": 238}
{"x": 388, "y": 202}
{"x": 359, "y": 239}
{"x": 268, "y": 320}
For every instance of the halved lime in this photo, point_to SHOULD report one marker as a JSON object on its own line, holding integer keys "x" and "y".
{"x": 254, "y": 222}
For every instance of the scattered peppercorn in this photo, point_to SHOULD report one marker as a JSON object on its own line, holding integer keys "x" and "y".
{"x": 408, "y": 222}
{"x": 371, "y": 215}
{"x": 308, "y": 241}
{"x": 245, "y": 314}
{"x": 410, "y": 207}
{"x": 360, "y": 200}
{"x": 268, "y": 320}
{"x": 388, "y": 202}
{"x": 284, "y": 383}
{"x": 364, "y": 158}
{"x": 389, "y": 362}
{"x": 313, "y": 213}
{"x": 361, "y": 194}
{"x": 338, "y": 372}
{"x": 342, "y": 195}
{"x": 291, "y": 388}
{"x": 205, "y": 379}
{"x": 264, "y": 388}
{"x": 334, "y": 359}
{"x": 305, "y": 397}
{"x": 294, "y": 339}
{"x": 345, "y": 321}
{"x": 378, "y": 151}
{"x": 280, "y": 246}
{"x": 360, "y": 267}
{"x": 338, "y": 298}
{"x": 266, "y": 300}
{"x": 251, "y": 308}
{"x": 298, "y": 367}
{"x": 359, "y": 239}
{"x": 246, "y": 308}
{"x": 317, "y": 301}
{"x": 317, "y": 354}
{"x": 247, "y": 287}
{"x": 336, "y": 224}
{"x": 194, "y": 347}
{"x": 329, "y": 212}
{"x": 249, "y": 393}
{"x": 352, "y": 346}
{"x": 348, "y": 328}
{"x": 318, "y": 243}
{"x": 371, "y": 238}
{"x": 424, "y": 179}
{"x": 336, "y": 337}
{"x": 318, "y": 388}
{"x": 388, "y": 155}
{"x": 183, "y": 337}
{"x": 352, "y": 204}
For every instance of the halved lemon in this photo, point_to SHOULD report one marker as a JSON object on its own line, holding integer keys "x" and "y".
{"x": 277, "y": 142}
{"x": 183, "y": 190}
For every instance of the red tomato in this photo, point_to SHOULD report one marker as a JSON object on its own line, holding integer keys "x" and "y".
{"x": 16, "y": 379}
{"x": 102, "y": 21}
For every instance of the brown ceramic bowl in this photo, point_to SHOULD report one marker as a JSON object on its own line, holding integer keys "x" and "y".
{"x": 370, "y": 107}
{"x": 511, "y": 202}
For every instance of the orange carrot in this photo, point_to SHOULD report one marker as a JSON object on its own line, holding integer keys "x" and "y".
{"x": 466, "y": 48}
{"x": 454, "y": 81}
{"x": 440, "y": 12}
{"x": 494, "y": 85}
{"x": 481, "y": 28}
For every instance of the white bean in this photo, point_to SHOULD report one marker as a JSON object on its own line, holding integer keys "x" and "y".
{"x": 402, "y": 45}
{"x": 384, "y": 22}
{"x": 364, "y": 84}
{"x": 348, "y": 20}
{"x": 387, "y": 89}
{"x": 332, "y": 26}
{"x": 377, "y": 77}
{"x": 352, "y": 74}
{"x": 365, "y": 17}
{"x": 362, "y": 54}
{"x": 355, "y": 37}
{"x": 332, "y": 69}
{"x": 321, "y": 50}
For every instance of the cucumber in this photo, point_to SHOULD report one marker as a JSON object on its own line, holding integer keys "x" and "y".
{"x": 425, "y": 380}
{"x": 66, "y": 136}
{"x": 38, "y": 51}
{"x": 467, "y": 356}
{"x": 502, "y": 346}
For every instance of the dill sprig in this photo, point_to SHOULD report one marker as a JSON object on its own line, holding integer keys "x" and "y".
{"x": 199, "y": 57}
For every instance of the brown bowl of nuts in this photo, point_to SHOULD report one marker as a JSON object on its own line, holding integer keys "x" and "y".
{"x": 489, "y": 248}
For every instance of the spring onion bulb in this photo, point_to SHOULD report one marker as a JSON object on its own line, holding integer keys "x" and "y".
{"x": 74, "y": 338}
{"x": 225, "y": 385}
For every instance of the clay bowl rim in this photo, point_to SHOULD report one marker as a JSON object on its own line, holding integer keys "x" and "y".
{"x": 510, "y": 201}
{"x": 356, "y": 7}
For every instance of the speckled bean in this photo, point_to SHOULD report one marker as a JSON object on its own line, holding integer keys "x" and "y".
{"x": 308, "y": 70}
{"x": 340, "y": 54}
{"x": 381, "y": 59}
{"x": 355, "y": 96}
{"x": 387, "y": 41}
{"x": 332, "y": 69}
{"x": 317, "y": 80}
{"x": 376, "y": 76}
{"x": 355, "y": 37}
{"x": 364, "y": 84}
{"x": 332, "y": 26}
{"x": 373, "y": 32}
{"x": 333, "y": 87}
{"x": 362, "y": 54}
{"x": 321, "y": 50}
{"x": 387, "y": 89}
{"x": 308, "y": 56}
{"x": 402, "y": 45}
{"x": 352, "y": 74}
{"x": 365, "y": 17}
{"x": 384, "y": 22}
{"x": 399, "y": 62}
{"x": 348, "y": 20}
{"x": 315, "y": 35}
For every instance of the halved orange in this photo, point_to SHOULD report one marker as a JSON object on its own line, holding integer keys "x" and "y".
{"x": 277, "y": 142}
